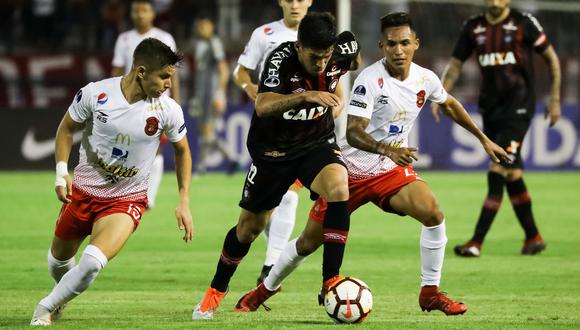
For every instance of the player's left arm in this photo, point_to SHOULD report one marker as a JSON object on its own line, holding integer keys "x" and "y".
{"x": 553, "y": 110}
{"x": 337, "y": 110}
{"x": 455, "y": 110}
{"x": 183, "y": 173}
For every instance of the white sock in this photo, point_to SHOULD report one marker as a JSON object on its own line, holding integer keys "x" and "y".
{"x": 288, "y": 261}
{"x": 78, "y": 279}
{"x": 57, "y": 268}
{"x": 433, "y": 240}
{"x": 281, "y": 226}
{"x": 155, "y": 179}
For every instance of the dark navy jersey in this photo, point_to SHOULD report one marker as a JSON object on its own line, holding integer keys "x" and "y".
{"x": 299, "y": 130}
{"x": 504, "y": 54}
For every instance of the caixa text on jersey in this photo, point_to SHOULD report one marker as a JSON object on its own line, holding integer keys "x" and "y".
{"x": 305, "y": 114}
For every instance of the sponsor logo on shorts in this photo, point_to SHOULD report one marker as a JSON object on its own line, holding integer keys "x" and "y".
{"x": 151, "y": 126}
{"x": 274, "y": 154}
{"x": 358, "y": 104}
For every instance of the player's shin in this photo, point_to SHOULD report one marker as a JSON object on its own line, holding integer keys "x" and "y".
{"x": 57, "y": 268}
{"x": 433, "y": 241}
{"x": 78, "y": 279}
{"x": 522, "y": 204}
{"x": 281, "y": 226}
{"x": 232, "y": 254}
{"x": 335, "y": 233}
{"x": 289, "y": 260}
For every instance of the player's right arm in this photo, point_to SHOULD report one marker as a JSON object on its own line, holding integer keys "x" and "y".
{"x": 249, "y": 61}
{"x": 63, "y": 145}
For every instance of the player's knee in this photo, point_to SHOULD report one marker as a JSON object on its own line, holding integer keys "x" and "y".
{"x": 337, "y": 192}
{"x": 431, "y": 214}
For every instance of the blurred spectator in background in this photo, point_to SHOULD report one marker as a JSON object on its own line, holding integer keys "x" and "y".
{"x": 208, "y": 103}
{"x": 43, "y": 23}
{"x": 112, "y": 23}
{"x": 143, "y": 15}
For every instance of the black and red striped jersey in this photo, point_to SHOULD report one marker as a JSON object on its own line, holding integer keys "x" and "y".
{"x": 504, "y": 54}
{"x": 296, "y": 131}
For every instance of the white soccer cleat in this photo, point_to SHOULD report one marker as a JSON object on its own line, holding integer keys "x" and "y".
{"x": 41, "y": 317}
{"x": 199, "y": 315}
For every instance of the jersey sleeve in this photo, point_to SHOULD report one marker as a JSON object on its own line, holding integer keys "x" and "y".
{"x": 534, "y": 34}
{"x": 169, "y": 41}
{"x": 218, "y": 49}
{"x": 175, "y": 128}
{"x": 464, "y": 46}
{"x": 83, "y": 105}
{"x": 276, "y": 68}
{"x": 346, "y": 49}
{"x": 118, "y": 58}
{"x": 361, "y": 101}
{"x": 437, "y": 92}
{"x": 254, "y": 51}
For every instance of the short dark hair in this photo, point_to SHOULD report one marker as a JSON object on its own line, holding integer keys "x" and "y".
{"x": 396, "y": 19}
{"x": 317, "y": 31}
{"x": 154, "y": 54}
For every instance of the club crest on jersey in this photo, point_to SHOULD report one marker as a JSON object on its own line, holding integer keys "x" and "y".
{"x": 151, "y": 126}
{"x": 268, "y": 31}
{"x": 420, "y": 98}
{"x": 79, "y": 95}
{"x": 360, "y": 90}
{"x": 332, "y": 85}
{"x": 380, "y": 82}
{"x": 102, "y": 99}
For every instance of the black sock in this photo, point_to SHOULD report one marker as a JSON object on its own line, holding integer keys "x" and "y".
{"x": 495, "y": 183}
{"x": 522, "y": 206}
{"x": 232, "y": 254}
{"x": 335, "y": 231}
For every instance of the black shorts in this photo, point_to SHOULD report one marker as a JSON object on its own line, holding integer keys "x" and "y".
{"x": 508, "y": 134}
{"x": 267, "y": 182}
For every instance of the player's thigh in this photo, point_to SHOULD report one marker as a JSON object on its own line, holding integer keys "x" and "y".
{"x": 324, "y": 173}
{"x": 111, "y": 232}
{"x": 310, "y": 239}
{"x": 63, "y": 249}
{"x": 419, "y": 202}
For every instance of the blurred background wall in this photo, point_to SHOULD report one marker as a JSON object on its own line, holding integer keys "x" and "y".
{"x": 51, "y": 48}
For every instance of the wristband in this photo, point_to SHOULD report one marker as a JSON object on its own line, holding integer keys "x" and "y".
{"x": 61, "y": 171}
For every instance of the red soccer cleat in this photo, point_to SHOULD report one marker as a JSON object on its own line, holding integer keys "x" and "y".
{"x": 433, "y": 299}
{"x": 533, "y": 246}
{"x": 251, "y": 301}
{"x": 326, "y": 286}
{"x": 469, "y": 249}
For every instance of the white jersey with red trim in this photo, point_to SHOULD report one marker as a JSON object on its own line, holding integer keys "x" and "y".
{"x": 120, "y": 140}
{"x": 263, "y": 41}
{"x": 392, "y": 106}
{"x": 128, "y": 41}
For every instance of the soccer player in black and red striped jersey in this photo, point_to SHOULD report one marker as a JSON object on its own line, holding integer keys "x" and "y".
{"x": 504, "y": 41}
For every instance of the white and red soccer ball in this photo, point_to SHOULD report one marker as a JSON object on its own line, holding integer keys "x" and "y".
{"x": 349, "y": 301}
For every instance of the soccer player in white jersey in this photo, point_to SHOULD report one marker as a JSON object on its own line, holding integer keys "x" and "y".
{"x": 385, "y": 101}
{"x": 123, "y": 119}
{"x": 143, "y": 15}
{"x": 264, "y": 39}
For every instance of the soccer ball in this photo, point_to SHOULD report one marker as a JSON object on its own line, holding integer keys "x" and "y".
{"x": 348, "y": 301}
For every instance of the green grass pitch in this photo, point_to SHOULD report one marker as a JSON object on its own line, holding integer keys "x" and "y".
{"x": 157, "y": 279}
